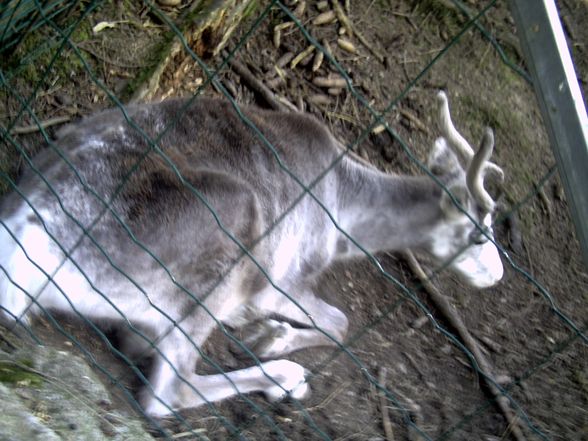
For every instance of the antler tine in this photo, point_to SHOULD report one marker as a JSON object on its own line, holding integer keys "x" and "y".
{"x": 496, "y": 170}
{"x": 475, "y": 172}
{"x": 449, "y": 131}
{"x": 456, "y": 140}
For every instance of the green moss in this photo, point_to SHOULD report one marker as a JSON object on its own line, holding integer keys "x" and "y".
{"x": 82, "y": 32}
{"x": 17, "y": 374}
{"x": 197, "y": 12}
{"x": 36, "y": 52}
{"x": 26, "y": 61}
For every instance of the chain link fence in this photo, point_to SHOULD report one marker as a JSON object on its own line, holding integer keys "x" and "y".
{"x": 509, "y": 362}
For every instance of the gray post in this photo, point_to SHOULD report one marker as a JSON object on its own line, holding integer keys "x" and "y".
{"x": 556, "y": 86}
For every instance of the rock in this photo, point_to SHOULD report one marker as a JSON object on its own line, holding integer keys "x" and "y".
{"x": 46, "y": 394}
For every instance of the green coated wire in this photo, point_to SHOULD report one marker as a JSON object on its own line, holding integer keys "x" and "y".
{"x": 558, "y": 349}
{"x": 48, "y": 315}
{"x": 93, "y": 5}
{"x": 379, "y": 120}
{"x": 220, "y": 325}
{"x": 277, "y": 157}
{"x": 87, "y": 67}
{"x": 307, "y": 190}
{"x": 74, "y": 309}
{"x": 87, "y": 234}
{"x": 6, "y": 135}
{"x": 173, "y": 166}
{"x": 544, "y": 292}
{"x": 22, "y": 31}
{"x": 454, "y": 340}
{"x": 505, "y": 59}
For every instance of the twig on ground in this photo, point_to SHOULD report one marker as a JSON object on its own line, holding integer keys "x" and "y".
{"x": 388, "y": 432}
{"x": 256, "y": 85}
{"x": 515, "y": 237}
{"x": 415, "y": 120}
{"x": 287, "y": 104}
{"x": 544, "y": 199}
{"x": 449, "y": 313}
{"x": 414, "y": 364}
{"x": 529, "y": 260}
{"x": 331, "y": 397}
{"x": 23, "y": 130}
{"x": 352, "y": 31}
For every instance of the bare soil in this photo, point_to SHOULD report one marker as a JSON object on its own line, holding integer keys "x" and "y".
{"x": 527, "y": 325}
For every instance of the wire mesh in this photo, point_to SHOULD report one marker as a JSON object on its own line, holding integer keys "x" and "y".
{"x": 62, "y": 25}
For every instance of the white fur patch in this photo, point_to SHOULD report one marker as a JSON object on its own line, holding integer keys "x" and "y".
{"x": 290, "y": 377}
{"x": 35, "y": 243}
{"x": 286, "y": 254}
{"x": 478, "y": 265}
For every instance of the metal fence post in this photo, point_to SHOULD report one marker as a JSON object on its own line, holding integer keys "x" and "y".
{"x": 560, "y": 99}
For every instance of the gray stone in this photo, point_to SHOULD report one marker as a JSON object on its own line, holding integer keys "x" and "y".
{"x": 46, "y": 394}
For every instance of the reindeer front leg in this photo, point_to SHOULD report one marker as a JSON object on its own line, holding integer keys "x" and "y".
{"x": 174, "y": 385}
{"x": 308, "y": 321}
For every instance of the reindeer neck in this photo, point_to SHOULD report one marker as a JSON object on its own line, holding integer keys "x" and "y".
{"x": 386, "y": 212}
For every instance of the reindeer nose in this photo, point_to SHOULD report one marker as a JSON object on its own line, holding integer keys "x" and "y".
{"x": 480, "y": 265}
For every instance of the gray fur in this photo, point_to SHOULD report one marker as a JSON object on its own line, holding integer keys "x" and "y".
{"x": 238, "y": 175}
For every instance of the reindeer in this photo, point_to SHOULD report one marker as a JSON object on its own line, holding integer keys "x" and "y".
{"x": 176, "y": 217}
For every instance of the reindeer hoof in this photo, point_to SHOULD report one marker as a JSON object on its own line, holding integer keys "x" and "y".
{"x": 157, "y": 409}
{"x": 267, "y": 339}
{"x": 290, "y": 379}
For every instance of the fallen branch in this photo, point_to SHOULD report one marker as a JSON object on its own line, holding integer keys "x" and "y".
{"x": 515, "y": 237}
{"x": 388, "y": 432}
{"x": 254, "y": 84}
{"x": 544, "y": 199}
{"x": 449, "y": 313}
{"x": 40, "y": 126}
{"x": 415, "y": 120}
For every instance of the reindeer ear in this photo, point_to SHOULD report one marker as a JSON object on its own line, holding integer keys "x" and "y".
{"x": 442, "y": 160}
{"x": 460, "y": 195}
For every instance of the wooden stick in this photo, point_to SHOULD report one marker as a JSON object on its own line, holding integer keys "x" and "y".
{"x": 449, "y": 313}
{"x": 256, "y": 85}
{"x": 388, "y": 432}
{"x": 42, "y": 125}
{"x": 415, "y": 120}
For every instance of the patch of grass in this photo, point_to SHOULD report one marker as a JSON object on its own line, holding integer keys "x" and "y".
{"x": 483, "y": 113}
{"x": 250, "y": 9}
{"x": 37, "y": 50}
{"x": 82, "y": 32}
{"x": 444, "y": 12}
{"x": 26, "y": 63}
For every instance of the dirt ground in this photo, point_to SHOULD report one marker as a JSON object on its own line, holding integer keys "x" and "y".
{"x": 527, "y": 326}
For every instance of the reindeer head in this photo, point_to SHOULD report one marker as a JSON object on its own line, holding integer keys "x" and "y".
{"x": 473, "y": 256}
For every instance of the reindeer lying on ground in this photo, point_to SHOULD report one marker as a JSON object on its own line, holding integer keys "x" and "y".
{"x": 106, "y": 225}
